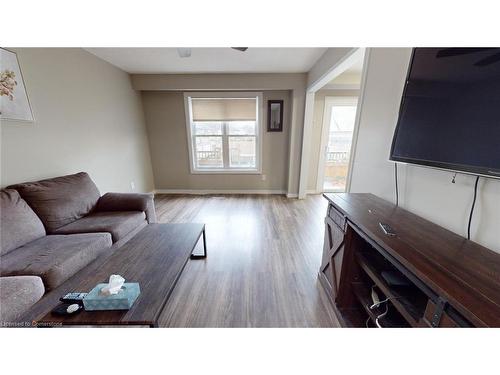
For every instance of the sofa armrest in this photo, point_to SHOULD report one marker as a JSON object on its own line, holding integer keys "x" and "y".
{"x": 19, "y": 294}
{"x": 128, "y": 202}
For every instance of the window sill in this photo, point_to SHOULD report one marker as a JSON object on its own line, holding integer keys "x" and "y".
{"x": 226, "y": 171}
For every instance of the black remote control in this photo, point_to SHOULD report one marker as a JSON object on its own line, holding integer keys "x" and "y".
{"x": 387, "y": 229}
{"x": 75, "y": 297}
{"x": 67, "y": 309}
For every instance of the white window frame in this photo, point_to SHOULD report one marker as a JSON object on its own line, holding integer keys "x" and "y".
{"x": 258, "y": 132}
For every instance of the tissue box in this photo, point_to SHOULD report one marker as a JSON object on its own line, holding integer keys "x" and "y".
{"x": 121, "y": 301}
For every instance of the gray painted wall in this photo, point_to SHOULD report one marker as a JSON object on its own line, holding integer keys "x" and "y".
{"x": 87, "y": 118}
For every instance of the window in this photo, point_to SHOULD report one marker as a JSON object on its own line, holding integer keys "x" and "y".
{"x": 224, "y": 132}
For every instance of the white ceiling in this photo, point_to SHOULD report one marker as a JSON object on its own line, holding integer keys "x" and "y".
{"x": 211, "y": 60}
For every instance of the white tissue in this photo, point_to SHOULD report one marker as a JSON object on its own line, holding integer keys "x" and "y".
{"x": 114, "y": 285}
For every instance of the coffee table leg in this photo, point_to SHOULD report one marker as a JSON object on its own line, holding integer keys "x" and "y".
{"x": 193, "y": 256}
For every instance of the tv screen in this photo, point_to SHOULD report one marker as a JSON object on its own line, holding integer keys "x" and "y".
{"x": 450, "y": 111}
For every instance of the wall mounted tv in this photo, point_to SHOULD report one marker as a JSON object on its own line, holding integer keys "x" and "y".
{"x": 449, "y": 115}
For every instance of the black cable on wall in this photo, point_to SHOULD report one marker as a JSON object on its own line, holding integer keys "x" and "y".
{"x": 396, "y": 181}
{"x": 453, "y": 181}
{"x": 472, "y": 208}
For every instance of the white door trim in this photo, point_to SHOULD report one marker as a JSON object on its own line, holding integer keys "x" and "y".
{"x": 325, "y": 129}
{"x": 357, "y": 122}
{"x": 306, "y": 146}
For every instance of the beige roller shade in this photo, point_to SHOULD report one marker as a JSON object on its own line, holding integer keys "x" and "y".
{"x": 220, "y": 109}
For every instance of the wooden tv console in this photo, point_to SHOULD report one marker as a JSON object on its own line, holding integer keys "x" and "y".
{"x": 430, "y": 276}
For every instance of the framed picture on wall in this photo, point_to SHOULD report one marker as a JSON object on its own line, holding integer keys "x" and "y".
{"x": 275, "y": 115}
{"x": 14, "y": 102}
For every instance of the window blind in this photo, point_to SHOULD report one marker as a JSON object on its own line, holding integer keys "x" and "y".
{"x": 224, "y": 109}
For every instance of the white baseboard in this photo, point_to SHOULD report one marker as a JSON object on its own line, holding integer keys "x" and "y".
{"x": 307, "y": 192}
{"x": 313, "y": 192}
{"x": 217, "y": 191}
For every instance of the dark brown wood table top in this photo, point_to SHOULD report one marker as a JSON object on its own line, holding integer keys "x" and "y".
{"x": 155, "y": 258}
{"x": 464, "y": 272}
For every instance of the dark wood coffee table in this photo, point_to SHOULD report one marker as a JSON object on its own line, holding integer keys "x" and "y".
{"x": 155, "y": 258}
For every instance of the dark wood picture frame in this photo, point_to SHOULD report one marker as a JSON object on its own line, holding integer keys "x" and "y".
{"x": 273, "y": 126}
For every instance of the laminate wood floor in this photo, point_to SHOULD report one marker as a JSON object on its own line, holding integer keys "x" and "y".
{"x": 264, "y": 253}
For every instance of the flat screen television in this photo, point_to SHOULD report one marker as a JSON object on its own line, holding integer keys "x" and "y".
{"x": 449, "y": 115}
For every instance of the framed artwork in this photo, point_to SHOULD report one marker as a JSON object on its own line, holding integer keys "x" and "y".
{"x": 275, "y": 115}
{"x": 14, "y": 102}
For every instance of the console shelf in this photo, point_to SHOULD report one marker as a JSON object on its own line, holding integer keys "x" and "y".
{"x": 392, "y": 319}
{"x": 409, "y": 305}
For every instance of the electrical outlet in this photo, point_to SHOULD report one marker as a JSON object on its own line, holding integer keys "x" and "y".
{"x": 263, "y": 177}
{"x": 132, "y": 185}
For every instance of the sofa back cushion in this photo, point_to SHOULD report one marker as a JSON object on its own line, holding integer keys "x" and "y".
{"x": 61, "y": 200}
{"x": 19, "y": 224}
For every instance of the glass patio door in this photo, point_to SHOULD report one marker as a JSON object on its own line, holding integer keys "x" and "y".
{"x": 339, "y": 119}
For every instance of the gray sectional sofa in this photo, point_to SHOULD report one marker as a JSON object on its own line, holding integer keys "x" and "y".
{"x": 53, "y": 228}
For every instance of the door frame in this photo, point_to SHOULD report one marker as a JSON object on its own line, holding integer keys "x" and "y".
{"x": 359, "y": 111}
{"x": 325, "y": 130}
{"x": 329, "y": 75}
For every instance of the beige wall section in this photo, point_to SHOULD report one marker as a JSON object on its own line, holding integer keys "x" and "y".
{"x": 319, "y": 107}
{"x": 219, "y": 82}
{"x": 294, "y": 83}
{"x": 166, "y": 124}
{"x": 87, "y": 118}
{"x": 424, "y": 191}
{"x": 347, "y": 78}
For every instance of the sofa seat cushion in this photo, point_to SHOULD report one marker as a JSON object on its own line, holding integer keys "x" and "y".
{"x": 19, "y": 224}
{"x": 55, "y": 258}
{"x": 119, "y": 224}
{"x": 17, "y": 295}
{"x": 61, "y": 200}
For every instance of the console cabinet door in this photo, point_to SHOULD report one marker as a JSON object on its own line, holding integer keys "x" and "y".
{"x": 333, "y": 251}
